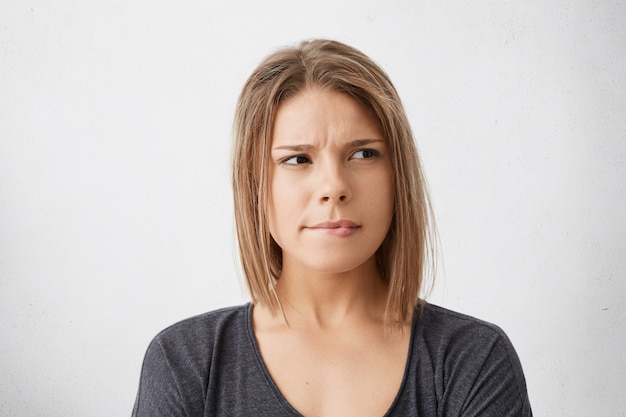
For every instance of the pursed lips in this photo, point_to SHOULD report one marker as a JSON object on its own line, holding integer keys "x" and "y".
{"x": 342, "y": 228}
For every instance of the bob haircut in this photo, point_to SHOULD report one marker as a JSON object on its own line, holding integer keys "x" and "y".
{"x": 406, "y": 256}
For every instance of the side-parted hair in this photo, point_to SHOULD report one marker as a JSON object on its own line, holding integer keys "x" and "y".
{"x": 406, "y": 256}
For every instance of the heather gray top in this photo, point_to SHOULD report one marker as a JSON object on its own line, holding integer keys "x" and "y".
{"x": 210, "y": 365}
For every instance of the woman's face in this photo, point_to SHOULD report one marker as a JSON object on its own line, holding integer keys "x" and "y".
{"x": 330, "y": 183}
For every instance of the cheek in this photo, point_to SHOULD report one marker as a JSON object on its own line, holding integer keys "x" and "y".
{"x": 383, "y": 190}
{"x": 284, "y": 207}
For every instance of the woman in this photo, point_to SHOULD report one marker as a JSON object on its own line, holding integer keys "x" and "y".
{"x": 336, "y": 240}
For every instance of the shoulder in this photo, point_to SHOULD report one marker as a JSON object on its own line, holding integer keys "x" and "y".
{"x": 462, "y": 340}
{"x": 472, "y": 361}
{"x": 204, "y": 327}
{"x": 443, "y": 325}
{"x": 190, "y": 343}
{"x": 176, "y": 366}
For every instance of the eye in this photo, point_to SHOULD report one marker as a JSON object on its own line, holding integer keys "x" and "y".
{"x": 366, "y": 154}
{"x": 296, "y": 160}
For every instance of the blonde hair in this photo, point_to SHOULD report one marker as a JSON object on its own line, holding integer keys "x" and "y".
{"x": 406, "y": 256}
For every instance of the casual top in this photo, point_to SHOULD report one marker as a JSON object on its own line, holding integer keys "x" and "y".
{"x": 210, "y": 365}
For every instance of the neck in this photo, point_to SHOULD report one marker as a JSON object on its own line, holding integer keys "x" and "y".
{"x": 331, "y": 300}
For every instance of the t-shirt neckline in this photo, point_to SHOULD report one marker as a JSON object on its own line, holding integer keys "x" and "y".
{"x": 279, "y": 395}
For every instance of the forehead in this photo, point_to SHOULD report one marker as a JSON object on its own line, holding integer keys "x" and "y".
{"x": 319, "y": 114}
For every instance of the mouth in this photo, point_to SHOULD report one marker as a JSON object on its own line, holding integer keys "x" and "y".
{"x": 341, "y": 228}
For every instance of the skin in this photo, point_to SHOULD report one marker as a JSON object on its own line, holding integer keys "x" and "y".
{"x": 330, "y": 207}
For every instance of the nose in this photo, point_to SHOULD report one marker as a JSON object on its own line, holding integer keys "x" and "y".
{"x": 334, "y": 184}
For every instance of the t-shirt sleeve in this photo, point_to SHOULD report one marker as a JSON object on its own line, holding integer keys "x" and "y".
{"x": 475, "y": 369}
{"x": 494, "y": 385}
{"x": 159, "y": 393}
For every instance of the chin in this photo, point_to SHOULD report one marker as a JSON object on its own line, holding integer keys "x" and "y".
{"x": 339, "y": 264}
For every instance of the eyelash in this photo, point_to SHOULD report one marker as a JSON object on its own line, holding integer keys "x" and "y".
{"x": 296, "y": 157}
{"x": 373, "y": 153}
{"x": 303, "y": 159}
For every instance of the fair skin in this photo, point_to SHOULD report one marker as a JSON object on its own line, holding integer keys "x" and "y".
{"x": 330, "y": 207}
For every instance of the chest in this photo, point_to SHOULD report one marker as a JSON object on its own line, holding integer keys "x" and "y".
{"x": 337, "y": 374}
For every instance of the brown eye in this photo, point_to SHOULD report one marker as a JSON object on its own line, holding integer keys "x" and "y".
{"x": 296, "y": 160}
{"x": 366, "y": 154}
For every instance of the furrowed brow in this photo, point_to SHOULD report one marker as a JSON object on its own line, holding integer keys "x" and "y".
{"x": 304, "y": 147}
{"x": 362, "y": 142}
{"x": 294, "y": 148}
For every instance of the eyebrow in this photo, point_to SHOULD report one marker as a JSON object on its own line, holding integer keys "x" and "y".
{"x": 305, "y": 147}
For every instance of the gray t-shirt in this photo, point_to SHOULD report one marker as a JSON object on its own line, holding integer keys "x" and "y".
{"x": 210, "y": 365}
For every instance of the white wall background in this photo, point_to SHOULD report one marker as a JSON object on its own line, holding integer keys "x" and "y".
{"x": 115, "y": 204}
